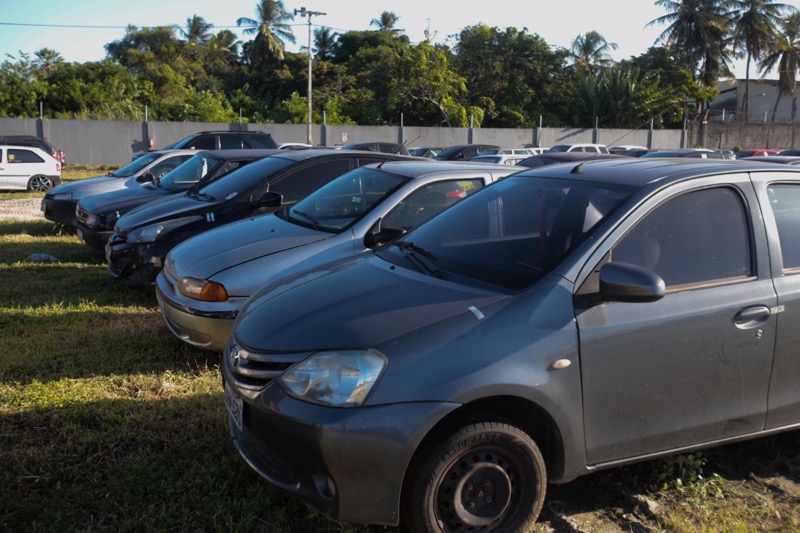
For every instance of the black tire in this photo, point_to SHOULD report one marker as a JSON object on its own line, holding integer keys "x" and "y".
{"x": 40, "y": 183}
{"x": 487, "y": 476}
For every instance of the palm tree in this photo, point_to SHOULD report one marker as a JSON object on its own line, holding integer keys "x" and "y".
{"x": 324, "y": 43}
{"x": 591, "y": 52}
{"x": 697, "y": 33}
{"x": 197, "y": 30}
{"x": 755, "y": 27}
{"x": 270, "y": 30}
{"x": 222, "y": 48}
{"x": 386, "y": 22}
{"x": 784, "y": 53}
{"x": 47, "y": 59}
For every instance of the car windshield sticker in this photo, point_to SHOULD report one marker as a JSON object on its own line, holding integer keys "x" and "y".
{"x": 476, "y": 312}
{"x": 231, "y": 195}
{"x": 209, "y": 217}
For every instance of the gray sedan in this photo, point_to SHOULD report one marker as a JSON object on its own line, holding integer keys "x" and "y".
{"x": 206, "y": 279}
{"x": 560, "y": 321}
{"x": 59, "y": 203}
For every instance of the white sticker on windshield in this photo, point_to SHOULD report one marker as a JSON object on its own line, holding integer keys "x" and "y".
{"x": 476, "y": 312}
{"x": 356, "y": 200}
{"x": 231, "y": 195}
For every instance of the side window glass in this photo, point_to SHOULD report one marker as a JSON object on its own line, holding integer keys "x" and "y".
{"x": 698, "y": 237}
{"x": 204, "y": 143}
{"x": 23, "y": 156}
{"x": 300, "y": 184}
{"x": 230, "y": 142}
{"x": 785, "y": 201}
{"x": 427, "y": 201}
{"x": 163, "y": 168}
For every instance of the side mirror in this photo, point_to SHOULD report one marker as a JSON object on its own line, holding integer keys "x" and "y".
{"x": 147, "y": 177}
{"x": 376, "y": 238}
{"x": 270, "y": 199}
{"x": 624, "y": 282}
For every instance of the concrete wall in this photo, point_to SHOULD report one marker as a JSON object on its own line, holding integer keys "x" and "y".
{"x": 113, "y": 142}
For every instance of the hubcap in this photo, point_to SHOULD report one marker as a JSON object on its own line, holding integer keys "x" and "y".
{"x": 476, "y": 491}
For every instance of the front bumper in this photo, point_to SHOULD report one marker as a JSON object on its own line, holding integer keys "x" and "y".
{"x": 93, "y": 238}
{"x": 202, "y": 329}
{"x": 59, "y": 211}
{"x": 348, "y": 463}
{"x": 131, "y": 262}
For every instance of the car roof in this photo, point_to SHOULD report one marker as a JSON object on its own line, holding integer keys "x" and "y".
{"x": 570, "y": 156}
{"x": 240, "y": 153}
{"x": 300, "y": 155}
{"x": 638, "y": 172}
{"x": 785, "y": 159}
{"x": 420, "y": 167}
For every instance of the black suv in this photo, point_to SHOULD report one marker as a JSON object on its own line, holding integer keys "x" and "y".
{"x": 36, "y": 142}
{"x": 224, "y": 140}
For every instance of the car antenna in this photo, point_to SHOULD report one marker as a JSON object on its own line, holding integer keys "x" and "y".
{"x": 409, "y": 142}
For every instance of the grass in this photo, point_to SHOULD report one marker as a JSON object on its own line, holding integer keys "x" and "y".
{"x": 109, "y": 423}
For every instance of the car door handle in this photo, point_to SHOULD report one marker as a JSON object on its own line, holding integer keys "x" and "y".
{"x": 752, "y": 317}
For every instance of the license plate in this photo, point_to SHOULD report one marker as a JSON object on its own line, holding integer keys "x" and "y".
{"x": 108, "y": 253}
{"x": 234, "y": 405}
{"x": 80, "y": 235}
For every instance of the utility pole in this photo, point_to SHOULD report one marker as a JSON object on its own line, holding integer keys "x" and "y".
{"x": 303, "y": 12}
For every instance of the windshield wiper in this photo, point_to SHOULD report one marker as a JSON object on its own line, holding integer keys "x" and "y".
{"x": 419, "y": 256}
{"x": 303, "y": 214}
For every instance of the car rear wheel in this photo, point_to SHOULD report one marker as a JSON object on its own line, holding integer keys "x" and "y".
{"x": 40, "y": 184}
{"x": 487, "y": 476}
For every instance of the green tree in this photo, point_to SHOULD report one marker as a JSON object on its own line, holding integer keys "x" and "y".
{"x": 698, "y": 33}
{"x": 270, "y": 29}
{"x": 428, "y": 79}
{"x": 197, "y": 30}
{"x": 386, "y": 22}
{"x": 755, "y": 27}
{"x": 784, "y": 53}
{"x": 324, "y": 43}
{"x": 47, "y": 59}
{"x": 590, "y": 52}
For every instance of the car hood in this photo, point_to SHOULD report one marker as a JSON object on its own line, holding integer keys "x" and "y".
{"x": 359, "y": 303}
{"x": 218, "y": 249}
{"x": 104, "y": 183}
{"x": 124, "y": 199}
{"x": 168, "y": 207}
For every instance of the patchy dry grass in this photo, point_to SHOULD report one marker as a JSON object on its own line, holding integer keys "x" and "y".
{"x": 109, "y": 423}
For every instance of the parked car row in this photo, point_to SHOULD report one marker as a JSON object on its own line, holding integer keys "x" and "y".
{"x": 430, "y": 342}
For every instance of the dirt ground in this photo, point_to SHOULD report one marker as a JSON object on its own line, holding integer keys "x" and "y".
{"x": 22, "y": 209}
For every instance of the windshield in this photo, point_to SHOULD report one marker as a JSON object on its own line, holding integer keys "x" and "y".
{"x": 559, "y": 148}
{"x": 245, "y": 178}
{"x": 510, "y": 234}
{"x": 136, "y": 165}
{"x": 345, "y": 200}
{"x": 449, "y": 152}
{"x": 187, "y": 175}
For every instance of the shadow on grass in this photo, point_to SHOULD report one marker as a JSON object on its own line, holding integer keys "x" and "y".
{"x": 128, "y": 465}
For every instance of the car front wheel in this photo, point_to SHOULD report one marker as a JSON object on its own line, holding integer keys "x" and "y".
{"x": 487, "y": 476}
{"x": 40, "y": 184}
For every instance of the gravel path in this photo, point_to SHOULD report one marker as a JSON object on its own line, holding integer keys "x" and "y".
{"x": 22, "y": 209}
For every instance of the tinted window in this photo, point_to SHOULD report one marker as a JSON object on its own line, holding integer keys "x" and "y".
{"x": 187, "y": 175}
{"x": 162, "y": 168}
{"x": 785, "y": 201}
{"x": 346, "y": 199}
{"x": 230, "y": 142}
{"x": 200, "y": 142}
{"x": 698, "y": 237}
{"x": 258, "y": 141}
{"x": 427, "y": 201}
{"x": 510, "y": 234}
{"x": 297, "y": 185}
{"x": 243, "y": 179}
{"x": 136, "y": 165}
{"x": 23, "y": 156}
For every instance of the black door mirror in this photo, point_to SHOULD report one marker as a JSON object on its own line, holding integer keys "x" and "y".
{"x": 270, "y": 199}
{"x": 625, "y": 282}
{"x": 147, "y": 177}
{"x": 376, "y": 238}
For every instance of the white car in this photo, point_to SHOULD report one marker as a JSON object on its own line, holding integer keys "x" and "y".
{"x": 579, "y": 147}
{"x": 28, "y": 168}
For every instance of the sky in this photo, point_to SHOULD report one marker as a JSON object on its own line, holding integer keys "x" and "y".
{"x": 79, "y": 29}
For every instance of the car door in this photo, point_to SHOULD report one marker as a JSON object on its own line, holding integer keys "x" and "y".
{"x": 780, "y": 202}
{"x": 693, "y": 366}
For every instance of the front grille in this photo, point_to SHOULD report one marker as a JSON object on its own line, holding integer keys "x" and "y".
{"x": 267, "y": 458}
{"x": 259, "y": 368}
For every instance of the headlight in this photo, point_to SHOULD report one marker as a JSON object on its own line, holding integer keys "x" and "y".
{"x": 91, "y": 220}
{"x": 151, "y": 232}
{"x": 340, "y": 379}
{"x": 62, "y": 196}
{"x": 200, "y": 289}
